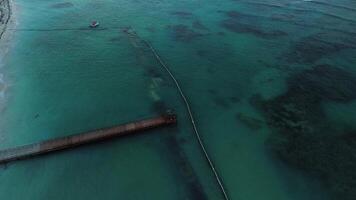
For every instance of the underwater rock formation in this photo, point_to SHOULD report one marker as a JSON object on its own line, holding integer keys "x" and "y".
{"x": 221, "y": 102}
{"x": 183, "y": 33}
{"x": 303, "y": 139}
{"x": 238, "y": 27}
{"x": 312, "y": 48}
{"x": 251, "y": 122}
{"x": 220, "y": 33}
{"x": 182, "y": 14}
{"x": 151, "y": 29}
{"x": 198, "y": 25}
{"x": 325, "y": 82}
{"x": 215, "y": 52}
{"x": 115, "y": 39}
{"x": 243, "y": 23}
{"x": 62, "y": 5}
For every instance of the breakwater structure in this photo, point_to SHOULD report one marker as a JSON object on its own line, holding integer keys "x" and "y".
{"x": 44, "y": 147}
{"x": 5, "y": 14}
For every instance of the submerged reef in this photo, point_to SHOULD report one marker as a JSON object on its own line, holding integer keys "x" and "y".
{"x": 243, "y": 23}
{"x": 198, "y": 25}
{"x": 115, "y": 39}
{"x": 151, "y": 29}
{"x": 62, "y": 5}
{"x": 249, "y": 121}
{"x": 182, "y": 14}
{"x": 325, "y": 82}
{"x": 222, "y": 100}
{"x": 183, "y": 33}
{"x": 312, "y": 48}
{"x": 303, "y": 139}
{"x": 215, "y": 52}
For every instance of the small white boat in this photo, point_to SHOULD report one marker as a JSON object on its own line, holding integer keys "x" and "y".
{"x": 94, "y": 24}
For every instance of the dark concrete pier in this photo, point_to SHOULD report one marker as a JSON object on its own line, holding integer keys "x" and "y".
{"x": 62, "y": 143}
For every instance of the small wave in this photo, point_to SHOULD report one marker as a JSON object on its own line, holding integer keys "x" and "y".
{"x": 2, "y": 92}
{"x": 332, "y": 5}
{"x": 304, "y": 10}
{"x": 2, "y": 87}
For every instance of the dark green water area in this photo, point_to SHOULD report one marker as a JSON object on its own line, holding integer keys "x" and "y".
{"x": 272, "y": 85}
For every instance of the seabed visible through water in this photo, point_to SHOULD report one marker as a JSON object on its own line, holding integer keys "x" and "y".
{"x": 271, "y": 84}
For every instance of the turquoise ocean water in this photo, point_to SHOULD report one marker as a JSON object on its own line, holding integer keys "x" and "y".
{"x": 271, "y": 83}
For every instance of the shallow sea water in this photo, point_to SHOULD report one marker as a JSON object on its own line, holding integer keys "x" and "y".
{"x": 65, "y": 79}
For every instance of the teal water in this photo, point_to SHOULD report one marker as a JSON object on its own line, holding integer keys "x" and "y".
{"x": 265, "y": 79}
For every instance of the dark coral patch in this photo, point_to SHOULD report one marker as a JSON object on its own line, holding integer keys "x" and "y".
{"x": 238, "y": 27}
{"x": 329, "y": 158}
{"x": 198, "y": 25}
{"x": 220, "y": 33}
{"x": 183, "y": 33}
{"x": 300, "y": 107}
{"x": 243, "y": 23}
{"x": 234, "y": 14}
{"x": 115, "y": 39}
{"x": 312, "y": 48}
{"x": 250, "y": 122}
{"x": 182, "y": 14}
{"x": 303, "y": 140}
{"x": 215, "y": 52}
{"x": 235, "y": 99}
{"x": 221, "y": 102}
{"x": 62, "y": 5}
{"x": 151, "y": 29}
{"x": 325, "y": 82}
{"x": 214, "y": 55}
{"x": 203, "y": 53}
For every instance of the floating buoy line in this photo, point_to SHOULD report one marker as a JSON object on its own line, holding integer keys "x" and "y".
{"x": 190, "y": 113}
{"x": 179, "y": 88}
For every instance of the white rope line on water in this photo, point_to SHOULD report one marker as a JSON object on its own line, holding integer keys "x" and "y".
{"x": 211, "y": 164}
